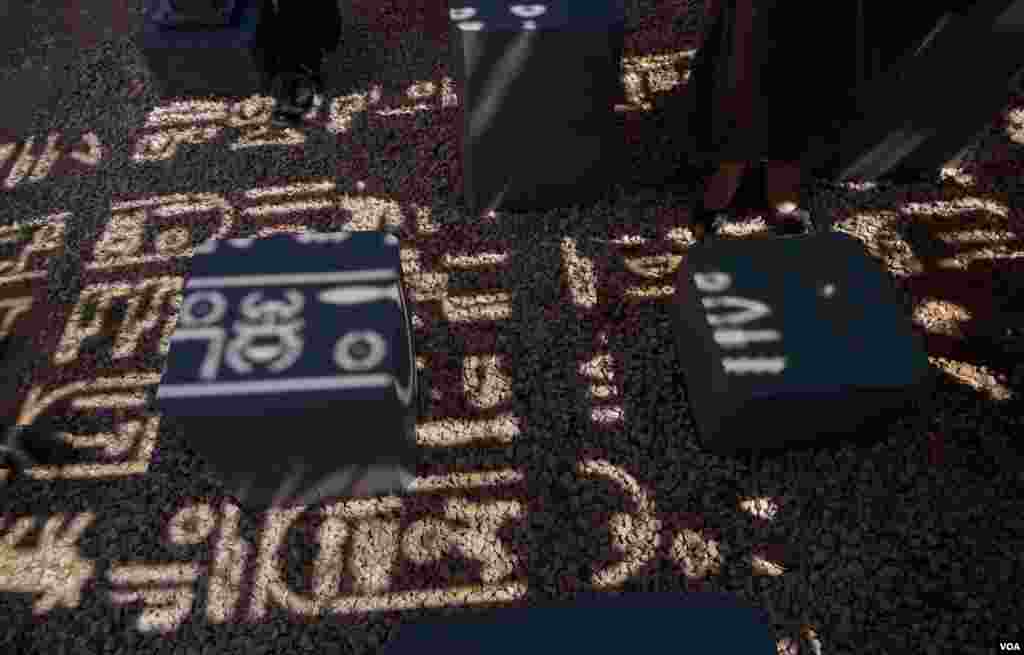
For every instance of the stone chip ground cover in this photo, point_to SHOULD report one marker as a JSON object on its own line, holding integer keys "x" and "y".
{"x": 561, "y": 455}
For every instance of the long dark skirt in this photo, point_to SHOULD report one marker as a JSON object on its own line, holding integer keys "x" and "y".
{"x": 802, "y": 59}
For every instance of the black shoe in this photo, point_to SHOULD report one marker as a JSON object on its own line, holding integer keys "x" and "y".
{"x": 294, "y": 94}
{"x": 705, "y": 222}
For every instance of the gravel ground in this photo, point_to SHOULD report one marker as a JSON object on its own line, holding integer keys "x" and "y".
{"x": 560, "y": 451}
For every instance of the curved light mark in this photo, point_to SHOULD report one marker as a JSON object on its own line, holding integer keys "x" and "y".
{"x": 643, "y": 527}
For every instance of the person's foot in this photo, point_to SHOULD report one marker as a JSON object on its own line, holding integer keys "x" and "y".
{"x": 792, "y": 223}
{"x": 706, "y": 222}
{"x": 294, "y": 94}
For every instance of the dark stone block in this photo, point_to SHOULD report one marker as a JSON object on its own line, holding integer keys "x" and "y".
{"x": 193, "y": 59}
{"x": 596, "y": 623}
{"x": 292, "y": 367}
{"x": 194, "y": 13}
{"x": 794, "y": 340}
{"x": 537, "y": 98}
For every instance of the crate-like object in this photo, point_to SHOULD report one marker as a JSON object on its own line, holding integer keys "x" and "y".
{"x": 794, "y": 341}
{"x": 590, "y": 623}
{"x": 193, "y": 59}
{"x": 292, "y": 367}
{"x": 537, "y": 86}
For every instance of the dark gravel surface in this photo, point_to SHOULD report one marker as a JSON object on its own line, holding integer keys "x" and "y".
{"x": 560, "y": 449}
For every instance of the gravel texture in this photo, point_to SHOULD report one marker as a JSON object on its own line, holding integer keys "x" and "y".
{"x": 561, "y": 454}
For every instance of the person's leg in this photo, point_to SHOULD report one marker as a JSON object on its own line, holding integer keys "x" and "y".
{"x": 308, "y": 30}
{"x": 298, "y": 61}
{"x": 782, "y": 188}
{"x": 708, "y": 211}
{"x": 721, "y": 187}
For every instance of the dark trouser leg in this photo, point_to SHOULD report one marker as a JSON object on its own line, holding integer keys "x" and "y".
{"x": 707, "y": 214}
{"x": 300, "y": 34}
{"x": 722, "y": 185}
{"x": 297, "y": 38}
{"x": 782, "y": 182}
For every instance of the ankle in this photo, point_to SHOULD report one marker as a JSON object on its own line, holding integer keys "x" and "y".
{"x": 714, "y": 203}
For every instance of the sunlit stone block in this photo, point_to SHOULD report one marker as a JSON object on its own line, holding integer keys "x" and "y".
{"x": 793, "y": 340}
{"x": 292, "y": 367}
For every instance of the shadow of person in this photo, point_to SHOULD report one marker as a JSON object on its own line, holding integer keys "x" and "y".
{"x": 25, "y": 446}
{"x": 28, "y": 446}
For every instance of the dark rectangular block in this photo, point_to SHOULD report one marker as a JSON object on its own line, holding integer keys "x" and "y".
{"x": 538, "y": 86}
{"x": 193, "y": 59}
{"x": 194, "y": 13}
{"x": 292, "y": 366}
{"x": 791, "y": 341}
{"x": 592, "y": 623}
